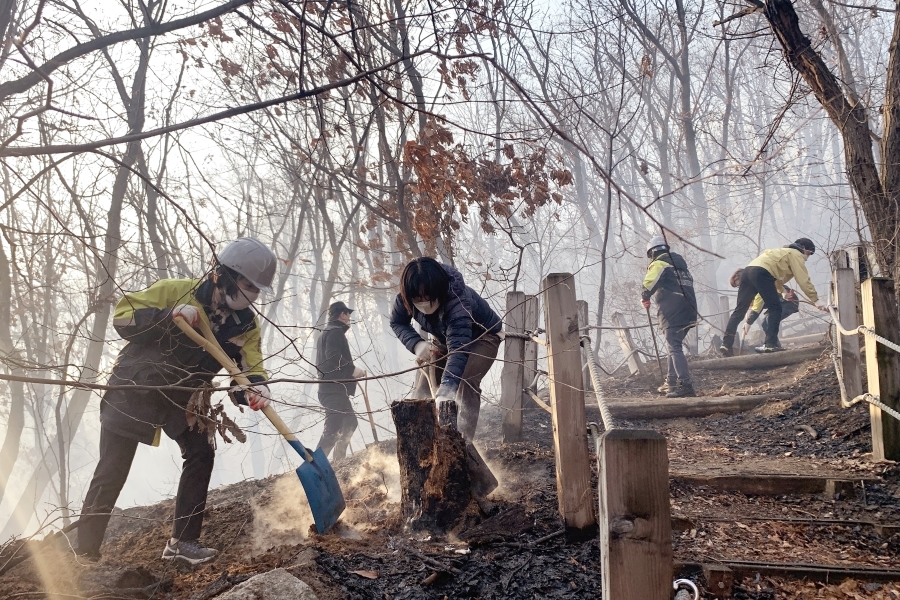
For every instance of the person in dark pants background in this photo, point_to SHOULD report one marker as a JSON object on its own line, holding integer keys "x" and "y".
{"x": 766, "y": 276}
{"x": 159, "y": 354}
{"x": 467, "y": 333}
{"x": 334, "y": 362}
{"x": 790, "y": 304}
{"x": 670, "y": 283}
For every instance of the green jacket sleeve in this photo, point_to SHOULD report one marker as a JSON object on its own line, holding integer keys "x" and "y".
{"x": 757, "y": 304}
{"x": 251, "y": 358}
{"x": 651, "y": 280}
{"x": 143, "y": 317}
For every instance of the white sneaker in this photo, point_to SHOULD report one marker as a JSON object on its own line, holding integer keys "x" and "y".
{"x": 188, "y": 551}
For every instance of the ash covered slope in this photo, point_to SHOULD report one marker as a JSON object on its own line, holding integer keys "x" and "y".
{"x": 261, "y": 525}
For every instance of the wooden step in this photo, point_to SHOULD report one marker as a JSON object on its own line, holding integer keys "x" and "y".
{"x": 759, "y": 484}
{"x": 671, "y": 408}
{"x": 761, "y": 361}
{"x": 814, "y": 572}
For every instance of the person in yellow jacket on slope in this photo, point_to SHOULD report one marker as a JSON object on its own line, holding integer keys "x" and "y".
{"x": 790, "y": 304}
{"x": 766, "y": 276}
{"x": 159, "y": 354}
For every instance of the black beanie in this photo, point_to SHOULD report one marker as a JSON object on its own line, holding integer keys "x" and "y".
{"x": 807, "y": 244}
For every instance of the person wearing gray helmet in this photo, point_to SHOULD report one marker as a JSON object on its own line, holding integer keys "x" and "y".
{"x": 670, "y": 283}
{"x": 158, "y": 353}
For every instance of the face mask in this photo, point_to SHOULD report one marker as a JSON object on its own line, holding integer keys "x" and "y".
{"x": 427, "y": 307}
{"x": 243, "y": 299}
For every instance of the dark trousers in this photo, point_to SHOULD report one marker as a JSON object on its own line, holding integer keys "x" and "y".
{"x": 482, "y": 353}
{"x": 340, "y": 423}
{"x": 116, "y": 456}
{"x": 788, "y": 308}
{"x": 678, "y": 364}
{"x": 756, "y": 280}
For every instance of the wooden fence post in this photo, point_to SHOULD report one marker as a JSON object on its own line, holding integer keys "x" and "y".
{"x": 513, "y": 374}
{"x": 635, "y": 364}
{"x": 532, "y": 318}
{"x": 582, "y": 324}
{"x": 882, "y": 365}
{"x": 635, "y": 518}
{"x": 844, "y": 286}
{"x": 573, "y": 471}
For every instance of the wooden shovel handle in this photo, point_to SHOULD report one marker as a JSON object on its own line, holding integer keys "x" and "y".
{"x": 365, "y": 394}
{"x": 208, "y": 342}
{"x": 429, "y": 377}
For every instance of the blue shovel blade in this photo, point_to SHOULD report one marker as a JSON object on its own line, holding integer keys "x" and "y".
{"x": 326, "y": 500}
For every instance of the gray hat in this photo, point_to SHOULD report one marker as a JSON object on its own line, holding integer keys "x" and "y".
{"x": 654, "y": 243}
{"x": 252, "y": 259}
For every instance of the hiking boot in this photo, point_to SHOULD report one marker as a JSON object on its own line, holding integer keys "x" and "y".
{"x": 768, "y": 349}
{"x": 188, "y": 551}
{"x": 664, "y": 388}
{"x": 88, "y": 555}
{"x": 682, "y": 390}
{"x": 726, "y": 351}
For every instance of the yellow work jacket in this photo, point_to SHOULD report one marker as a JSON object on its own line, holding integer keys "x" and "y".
{"x": 158, "y": 353}
{"x": 785, "y": 264}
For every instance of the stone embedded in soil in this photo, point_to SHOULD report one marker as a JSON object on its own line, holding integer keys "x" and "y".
{"x": 276, "y": 584}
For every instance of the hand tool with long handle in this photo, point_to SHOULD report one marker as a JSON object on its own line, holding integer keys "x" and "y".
{"x": 655, "y": 347}
{"x": 365, "y": 393}
{"x": 326, "y": 500}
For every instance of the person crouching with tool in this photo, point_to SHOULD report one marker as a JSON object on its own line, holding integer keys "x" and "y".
{"x": 790, "y": 305}
{"x": 766, "y": 276}
{"x": 670, "y": 283}
{"x": 334, "y": 362}
{"x": 466, "y": 329}
{"x": 158, "y": 353}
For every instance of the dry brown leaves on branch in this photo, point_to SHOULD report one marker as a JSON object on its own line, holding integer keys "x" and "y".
{"x": 203, "y": 416}
{"x": 448, "y": 181}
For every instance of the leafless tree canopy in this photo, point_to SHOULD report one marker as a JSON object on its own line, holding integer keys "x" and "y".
{"x": 512, "y": 139}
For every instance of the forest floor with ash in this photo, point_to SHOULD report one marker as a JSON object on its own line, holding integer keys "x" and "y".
{"x": 261, "y": 525}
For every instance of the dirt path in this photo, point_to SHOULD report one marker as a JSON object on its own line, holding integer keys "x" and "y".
{"x": 259, "y": 526}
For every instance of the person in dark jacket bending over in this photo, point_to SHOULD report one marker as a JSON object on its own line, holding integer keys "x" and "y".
{"x": 334, "y": 362}
{"x": 159, "y": 354}
{"x": 669, "y": 281}
{"x": 766, "y": 276}
{"x": 466, "y": 333}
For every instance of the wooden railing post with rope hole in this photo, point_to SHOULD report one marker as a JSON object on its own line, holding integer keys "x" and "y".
{"x": 882, "y": 365}
{"x": 573, "y": 469}
{"x": 512, "y": 379}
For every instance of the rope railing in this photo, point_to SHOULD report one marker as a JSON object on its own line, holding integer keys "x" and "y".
{"x": 865, "y": 397}
{"x": 605, "y": 413}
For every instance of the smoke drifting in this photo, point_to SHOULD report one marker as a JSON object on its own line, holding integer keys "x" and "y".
{"x": 282, "y": 515}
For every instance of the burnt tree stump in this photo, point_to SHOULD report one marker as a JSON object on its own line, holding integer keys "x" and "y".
{"x": 434, "y": 474}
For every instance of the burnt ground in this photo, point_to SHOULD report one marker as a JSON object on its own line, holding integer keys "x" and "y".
{"x": 260, "y": 525}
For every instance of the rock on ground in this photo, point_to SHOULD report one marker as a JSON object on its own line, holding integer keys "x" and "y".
{"x": 277, "y": 584}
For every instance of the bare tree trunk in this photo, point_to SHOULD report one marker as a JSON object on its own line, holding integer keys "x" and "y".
{"x": 9, "y": 451}
{"x": 878, "y": 196}
{"x": 105, "y": 272}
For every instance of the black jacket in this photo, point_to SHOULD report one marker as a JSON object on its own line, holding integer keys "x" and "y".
{"x": 465, "y": 316}
{"x": 334, "y": 361}
{"x": 158, "y": 353}
{"x": 669, "y": 281}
